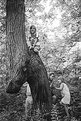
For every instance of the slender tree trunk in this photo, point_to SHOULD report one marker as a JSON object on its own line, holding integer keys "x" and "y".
{"x": 15, "y": 31}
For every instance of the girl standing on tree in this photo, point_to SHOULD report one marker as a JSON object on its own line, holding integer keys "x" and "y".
{"x": 65, "y": 101}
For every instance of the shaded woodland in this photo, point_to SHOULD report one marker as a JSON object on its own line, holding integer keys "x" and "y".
{"x": 58, "y": 24}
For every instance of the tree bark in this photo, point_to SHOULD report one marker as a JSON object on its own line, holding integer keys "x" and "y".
{"x": 25, "y": 64}
{"x": 15, "y": 31}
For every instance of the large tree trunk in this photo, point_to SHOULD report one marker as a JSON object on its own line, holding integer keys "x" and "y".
{"x": 25, "y": 65}
{"x": 15, "y": 30}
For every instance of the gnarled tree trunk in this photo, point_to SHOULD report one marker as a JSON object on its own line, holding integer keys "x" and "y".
{"x": 25, "y": 65}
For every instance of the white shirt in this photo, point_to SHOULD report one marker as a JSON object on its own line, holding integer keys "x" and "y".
{"x": 65, "y": 93}
{"x": 65, "y": 89}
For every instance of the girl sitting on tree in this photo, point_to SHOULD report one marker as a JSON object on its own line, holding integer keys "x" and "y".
{"x": 33, "y": 38}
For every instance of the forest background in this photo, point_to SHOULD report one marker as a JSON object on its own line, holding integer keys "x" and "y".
{"x": 58, "y": 24}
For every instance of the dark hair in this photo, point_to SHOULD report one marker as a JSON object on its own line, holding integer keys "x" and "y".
{"x": 62, "y": 79}
{"x": 51, "y": 74}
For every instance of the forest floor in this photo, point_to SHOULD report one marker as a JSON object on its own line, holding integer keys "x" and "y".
{"x": 12, "y": 107}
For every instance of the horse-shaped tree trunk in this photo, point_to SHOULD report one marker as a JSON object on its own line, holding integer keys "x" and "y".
{"x": 35, "y": 74}
{"x": 25, "y": 65}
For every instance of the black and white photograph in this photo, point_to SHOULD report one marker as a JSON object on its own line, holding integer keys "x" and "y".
{"x": 40, "y": 60}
